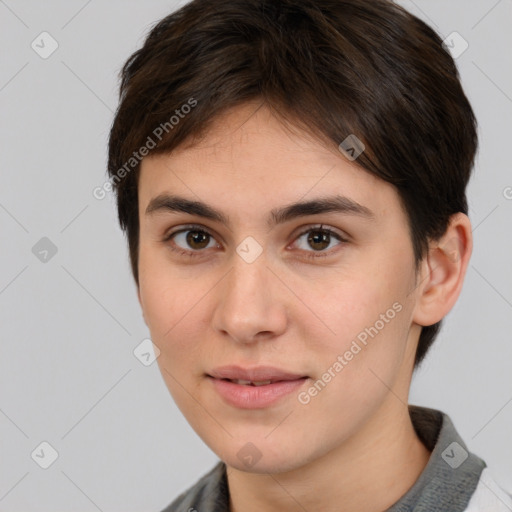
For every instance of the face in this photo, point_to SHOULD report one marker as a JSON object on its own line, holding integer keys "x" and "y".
{"x": 325, "y": 294}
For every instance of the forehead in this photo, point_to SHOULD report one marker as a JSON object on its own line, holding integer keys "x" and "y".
{"x": 248, "y": 159}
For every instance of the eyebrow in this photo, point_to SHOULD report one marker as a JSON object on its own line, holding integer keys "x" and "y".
{"x": 336, "y": 203}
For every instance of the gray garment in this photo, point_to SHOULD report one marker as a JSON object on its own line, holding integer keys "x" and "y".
{"x": 446, "y": 484}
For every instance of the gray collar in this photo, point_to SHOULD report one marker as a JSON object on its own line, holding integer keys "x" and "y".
{"x": 452, "y": 473}
{"x": 447, "y": 482}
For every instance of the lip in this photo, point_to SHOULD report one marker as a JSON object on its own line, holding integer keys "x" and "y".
{"x": 255, "y": 397}
{"x": 255, "y": 374}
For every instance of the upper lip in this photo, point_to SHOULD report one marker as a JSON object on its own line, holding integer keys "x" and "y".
{"x": 255, "y": 374}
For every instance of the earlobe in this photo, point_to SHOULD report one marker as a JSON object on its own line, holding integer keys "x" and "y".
{"x": 444, "y": 271}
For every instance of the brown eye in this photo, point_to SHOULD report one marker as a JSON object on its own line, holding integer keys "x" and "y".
{"x": 319, "y": 240}
{"x": 190, "y": 241}
{"x": 197, "y": 239}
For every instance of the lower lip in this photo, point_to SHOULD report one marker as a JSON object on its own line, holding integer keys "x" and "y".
{"x": 255, "y": 397}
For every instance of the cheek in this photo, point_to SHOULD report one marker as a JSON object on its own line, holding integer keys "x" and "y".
{"x": 367, "y": 319}
{"x": 169, "y": 302}
{"x": 346, "y": 304}
{"x": 358, "y": 366}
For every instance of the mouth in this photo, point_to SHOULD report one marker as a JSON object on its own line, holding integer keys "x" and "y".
{"x": 256, "y": 394}
{"x": 257, "y": 383}
{"x": 256, "y": 376}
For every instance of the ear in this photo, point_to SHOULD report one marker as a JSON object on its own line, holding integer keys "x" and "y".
{"x": 443, "y": 271}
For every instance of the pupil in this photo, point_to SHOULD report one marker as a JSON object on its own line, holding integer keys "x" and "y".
{"x": 320, "y": 238}
{"x": 194, "y": 237}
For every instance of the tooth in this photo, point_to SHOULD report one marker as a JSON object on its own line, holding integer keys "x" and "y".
{"x": 249, "y": 383}
{"x": 240, "y": 381}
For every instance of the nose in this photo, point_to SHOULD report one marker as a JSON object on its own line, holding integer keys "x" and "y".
{"x": 250, "y": 303}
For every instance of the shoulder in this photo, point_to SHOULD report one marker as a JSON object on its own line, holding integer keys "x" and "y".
{"x": 208, "y": 494}
{"x": 489, "y": 496}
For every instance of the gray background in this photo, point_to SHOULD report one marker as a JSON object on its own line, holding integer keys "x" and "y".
{"x": 69, "y": 325}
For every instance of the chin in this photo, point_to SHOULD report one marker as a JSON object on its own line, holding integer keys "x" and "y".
{"x": 263, "y": 467}
{"x": 253, "y": 458}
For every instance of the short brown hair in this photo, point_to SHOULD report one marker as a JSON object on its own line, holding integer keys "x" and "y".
{"x": 332, "y": 67}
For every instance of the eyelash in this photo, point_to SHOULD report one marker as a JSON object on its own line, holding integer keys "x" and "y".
{"x": 194, "y": 227}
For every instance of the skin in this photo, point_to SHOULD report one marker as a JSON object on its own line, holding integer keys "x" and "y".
{"x": 353, "y": 446}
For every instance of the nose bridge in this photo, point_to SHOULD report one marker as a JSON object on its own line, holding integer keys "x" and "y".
{"x": 249, "y": 303}
{"x": 248, "y": 268}
{"x": 248, "y": 277}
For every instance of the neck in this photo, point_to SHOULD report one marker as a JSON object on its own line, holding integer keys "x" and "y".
{"x": 371, "y": 471}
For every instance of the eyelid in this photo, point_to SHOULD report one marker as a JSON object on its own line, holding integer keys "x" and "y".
{"x": 187, "y": 227}
{"x": 322, "y": 227}
{"x": 306, "y": 228}
{"x": 319, "y": 255}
